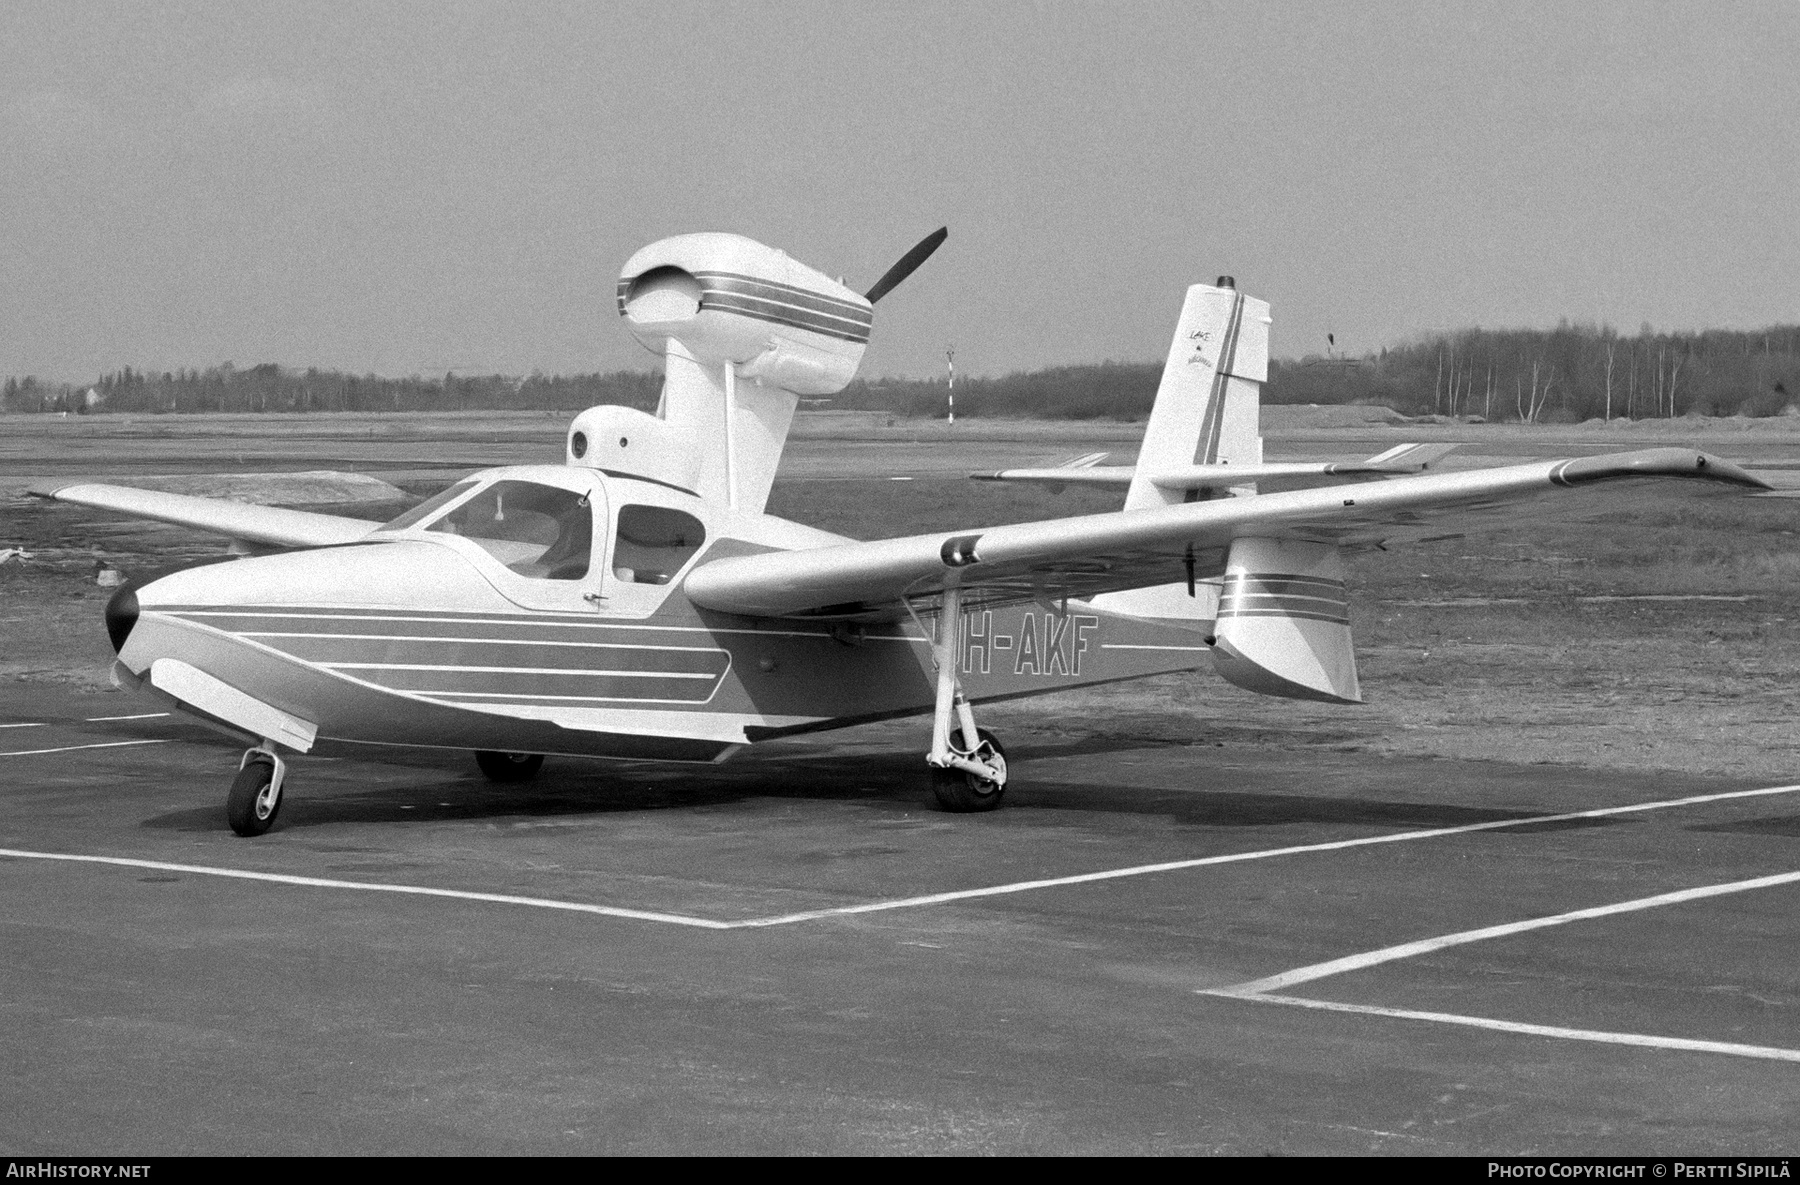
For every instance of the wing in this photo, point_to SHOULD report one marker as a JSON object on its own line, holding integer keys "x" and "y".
{"x": 266, "y": 526}
{"x": 1075, "y": 558}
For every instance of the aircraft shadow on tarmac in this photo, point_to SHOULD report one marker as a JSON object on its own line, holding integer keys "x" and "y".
{"x": 1786, "y": 825}
{"x": 576, "y": 789}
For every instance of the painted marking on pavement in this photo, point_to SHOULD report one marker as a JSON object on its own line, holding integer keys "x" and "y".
{"x": 315, "y": 882}
{"x": 1603, "y": 1036}
{"x": 139, "y": 716}
{"x": 892, "y": 904}
{"x": 1266, "y": 990}
{"x": 73, "y": 748}
{"x": 1425, "y": 946}
{"x": 1263, "y": 854}
{"x": 34, "y": 725}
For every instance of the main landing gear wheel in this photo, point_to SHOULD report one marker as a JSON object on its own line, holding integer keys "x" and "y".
{"x": 255, "y": 798}
{"x": 509, "y": 767}
{"x": 958, "y": 790}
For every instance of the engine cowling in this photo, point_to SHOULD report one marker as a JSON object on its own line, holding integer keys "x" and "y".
{"x": 725, "y": 298}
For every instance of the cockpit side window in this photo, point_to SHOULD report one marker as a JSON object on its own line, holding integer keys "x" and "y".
{"x": 536, "y": 530}
{"x": 428, "y": 507}
{"x": 654, "y": 543}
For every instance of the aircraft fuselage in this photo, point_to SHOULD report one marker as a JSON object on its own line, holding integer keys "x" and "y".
{"x": 430, "y": 637}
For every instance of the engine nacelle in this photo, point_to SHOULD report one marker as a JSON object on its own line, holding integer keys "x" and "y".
{"x": 725, "y": 298}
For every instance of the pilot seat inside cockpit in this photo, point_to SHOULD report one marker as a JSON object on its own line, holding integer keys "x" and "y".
{"x": 539, "y": 531}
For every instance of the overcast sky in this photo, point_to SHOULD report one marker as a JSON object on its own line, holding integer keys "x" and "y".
{"x": 401, "y": 188}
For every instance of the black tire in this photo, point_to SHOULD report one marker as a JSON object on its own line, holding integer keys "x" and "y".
{"x": 509, "y": 767}
{"x": 247, "y": 808}
{"x": 962, "y": 792}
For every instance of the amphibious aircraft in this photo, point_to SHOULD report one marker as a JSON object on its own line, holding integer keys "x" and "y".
{"x": 635, "y": 601}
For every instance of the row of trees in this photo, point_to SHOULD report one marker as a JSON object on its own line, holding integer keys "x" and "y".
{"x": 1572, "y": 372}
{"x": 271, "y": 388}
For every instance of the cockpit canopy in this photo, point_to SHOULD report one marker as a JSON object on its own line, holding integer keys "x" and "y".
{"x": 535, "y": 530}
{"x": 545, "y": 530}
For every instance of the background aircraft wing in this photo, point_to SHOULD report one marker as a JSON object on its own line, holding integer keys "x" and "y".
{"x": 266, "y": 526}
{"x": 1076, "y": 558}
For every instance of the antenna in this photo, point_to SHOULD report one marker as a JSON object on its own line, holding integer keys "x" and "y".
{"x": 950, "y": 387}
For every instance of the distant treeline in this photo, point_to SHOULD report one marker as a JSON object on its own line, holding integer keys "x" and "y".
{"x": 275, "y": 388}
{"x": 1572, "y": 372}
{"x": 1568, "y": 373}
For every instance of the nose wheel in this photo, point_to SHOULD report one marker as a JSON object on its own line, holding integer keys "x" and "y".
{"x": 255, "y": 796}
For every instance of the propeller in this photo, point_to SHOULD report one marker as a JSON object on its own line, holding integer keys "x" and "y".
{"x": 908, "y": 264}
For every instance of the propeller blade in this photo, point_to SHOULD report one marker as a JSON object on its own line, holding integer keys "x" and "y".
{"x": 908, "y": 263}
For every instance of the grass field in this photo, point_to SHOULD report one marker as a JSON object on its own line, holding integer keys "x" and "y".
{"x": 1547, "y": 642}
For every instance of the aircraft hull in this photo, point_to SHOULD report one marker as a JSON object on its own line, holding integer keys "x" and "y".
{"x": 684, "y": 685}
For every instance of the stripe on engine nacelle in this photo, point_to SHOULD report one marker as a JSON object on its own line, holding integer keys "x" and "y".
{"x": 742, "y": 306}
{"x": 801, "y": 298}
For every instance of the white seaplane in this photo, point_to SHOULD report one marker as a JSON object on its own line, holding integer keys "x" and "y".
{"x": 635, "y": 602}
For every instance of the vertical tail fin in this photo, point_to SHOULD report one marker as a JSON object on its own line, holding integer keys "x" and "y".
{"x": 1207, "y": 409}
{"x": 1207, "y": 412}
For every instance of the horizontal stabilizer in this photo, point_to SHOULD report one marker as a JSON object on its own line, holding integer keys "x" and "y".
{"x": 269, "y": 526}
{"x": 1269, "y": 477}
{"x": 1409, "y": 458}
{"x": 1087, "y": 475}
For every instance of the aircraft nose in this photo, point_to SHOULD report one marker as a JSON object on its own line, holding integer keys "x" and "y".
{"x": 121, "y": 615}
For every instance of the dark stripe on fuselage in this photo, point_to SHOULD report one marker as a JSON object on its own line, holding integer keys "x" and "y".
{"x": 486, "y": 655}
{"x": 494, "y": 652}
{"x": 594, "y": 687}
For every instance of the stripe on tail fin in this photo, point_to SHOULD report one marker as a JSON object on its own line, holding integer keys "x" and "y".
{"x": 1208, "y": 405}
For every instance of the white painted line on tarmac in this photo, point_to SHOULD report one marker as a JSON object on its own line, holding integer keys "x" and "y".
{"x": 873, "y": 906}
{"x": 139, "y": 716}
{"x": 1266, "y": 990}
{"x": 1425, "y": 946}
{"x": 1239, "y": 857}
{"x": 37, "y": 725}
{"x": 1647, "y": 1040}
{"x": 642, "y": 915}
{"x": 73, "y": 748}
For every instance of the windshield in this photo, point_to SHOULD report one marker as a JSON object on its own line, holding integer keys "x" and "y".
{"x": 429, "y": 506}
{"x": 536, "y": 530}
